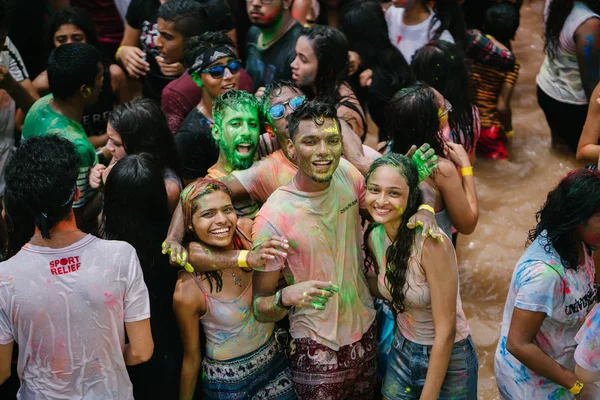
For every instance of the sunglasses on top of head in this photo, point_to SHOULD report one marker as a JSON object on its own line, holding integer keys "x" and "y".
{"x": 277, "y": 111}
{"x": 218, "y": 71}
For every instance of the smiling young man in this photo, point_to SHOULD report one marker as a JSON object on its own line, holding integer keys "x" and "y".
{"x": 318, "y": 212}
{"x": 271, "y": 41}
{"x": 178, "y": 21}
{"x": 215, "y": 68}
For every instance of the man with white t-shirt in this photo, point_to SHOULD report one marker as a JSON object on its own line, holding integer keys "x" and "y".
{"x": 67, "y": 298}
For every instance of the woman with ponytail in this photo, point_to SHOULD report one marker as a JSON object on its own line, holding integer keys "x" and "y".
{"x": 571, "y": 68}
{"x": 419, "y": 277}
{"x": 412, "y": 24}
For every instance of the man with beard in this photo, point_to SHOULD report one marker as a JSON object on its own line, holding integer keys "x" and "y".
{"x": 236, "y": 131}
{"x": 334, "y": 341}
{"x": 271, "y": 44}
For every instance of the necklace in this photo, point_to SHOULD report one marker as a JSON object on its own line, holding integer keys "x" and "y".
{"x": 264, "y": 45}
{"x": 236, "y": 280}
{"x": 59, "y": 233}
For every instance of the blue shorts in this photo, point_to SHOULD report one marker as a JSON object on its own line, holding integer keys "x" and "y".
{"x": 407, "y": 369}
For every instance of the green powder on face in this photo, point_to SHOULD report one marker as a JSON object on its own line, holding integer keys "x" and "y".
{"x": 293, "y": 244}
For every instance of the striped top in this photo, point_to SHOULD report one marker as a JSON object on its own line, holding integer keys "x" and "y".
{"x": 42, "y": 120}
{"x": 486, "y": 82}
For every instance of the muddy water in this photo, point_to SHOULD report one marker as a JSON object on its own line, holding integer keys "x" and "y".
{"x": 509, "y": 193}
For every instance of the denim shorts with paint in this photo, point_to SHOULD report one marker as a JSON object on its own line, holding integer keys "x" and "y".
{"x": 407, "y": 369}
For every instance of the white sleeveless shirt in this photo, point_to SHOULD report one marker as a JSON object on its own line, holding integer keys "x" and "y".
{"x": 559, "y": 77}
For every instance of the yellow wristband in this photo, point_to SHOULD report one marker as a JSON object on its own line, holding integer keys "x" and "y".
{"x": 118, "y": 52}
{"x": 426, "y": 207}
{"x": 576, "y": 388}
{"x": 510, "y": 133}
{"x": 466, "y": 171}
{"x": 243, "y": 259}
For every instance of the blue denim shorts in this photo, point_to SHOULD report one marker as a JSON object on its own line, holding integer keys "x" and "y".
{"x": 407, "y": 369}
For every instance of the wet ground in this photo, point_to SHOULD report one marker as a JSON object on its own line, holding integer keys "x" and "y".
{"x": 510, "y": 193}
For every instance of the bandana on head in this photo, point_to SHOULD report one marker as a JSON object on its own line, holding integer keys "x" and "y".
{"x": 210, "y": 56}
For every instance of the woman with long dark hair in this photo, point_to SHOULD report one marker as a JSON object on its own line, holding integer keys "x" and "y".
{"x": 140, "y": 126}
{"x": 390, "y": 71}
{"x": 570, "y": 70}
{"x": 136, "y": 211}
{"x": 242, "y": 358}
{"x": 416, "y": 115}
{"x": 412, "y": 24}
{"x": 419, "y": 277}
{"x": 321, "y": 70}
{"x": 551, "y": 292}
{"x": 442, "y": 65}
{"x": 71, "y": 25}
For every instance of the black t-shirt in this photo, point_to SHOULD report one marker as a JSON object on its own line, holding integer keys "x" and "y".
{"x": 142, "y": 15}
{"x": 197, "y": 149}
{"x": 95, "y": 117}
{"x": 267, "y": 65}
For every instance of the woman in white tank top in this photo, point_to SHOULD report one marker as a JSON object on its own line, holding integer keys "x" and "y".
{"x": 432, "y": 355}
{"x": 571, "y": 68}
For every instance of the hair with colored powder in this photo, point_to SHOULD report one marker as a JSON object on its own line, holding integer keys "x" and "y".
{"x": 312, "y": 110}
{"x": 398, "y": 254}
{"x": 198, "y": 45}
{"x": 272, "y": 91}
{"x": 558, "y": 12}
{"x": 412, "y": 118}
{"x": 442, "y": 65}
{"x": 143, "y": 128}
{"x": 234, "y": 100}
{"x": 569, "y": 205}
{"x": 71, "y": 16}
{"x": 189, "y": 200}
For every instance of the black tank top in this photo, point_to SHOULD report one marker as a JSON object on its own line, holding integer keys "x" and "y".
{"x": 95, "y": 117}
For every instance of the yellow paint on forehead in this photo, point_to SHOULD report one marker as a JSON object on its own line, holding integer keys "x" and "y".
{"x": 331, "y": 129}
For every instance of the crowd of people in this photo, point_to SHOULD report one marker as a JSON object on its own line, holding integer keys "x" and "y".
{"x": 260, "y": 199}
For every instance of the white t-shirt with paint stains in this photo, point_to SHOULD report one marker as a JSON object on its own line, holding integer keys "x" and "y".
{"x": 67, "y": 308}
{"x": 325, "y": 236}
{"x": 541, "y": 284}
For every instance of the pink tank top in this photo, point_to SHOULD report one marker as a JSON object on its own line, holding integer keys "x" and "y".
{"x": 416, "y": 322}
{"x": 229, "y": 325}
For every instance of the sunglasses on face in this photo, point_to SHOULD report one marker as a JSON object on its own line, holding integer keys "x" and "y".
{"x": 277, "y": 111}
{"x": 447, "y": 109}
{"x": 218, "y": 71}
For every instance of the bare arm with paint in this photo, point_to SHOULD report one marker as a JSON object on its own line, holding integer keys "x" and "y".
{"x": 588, "y": 149}
{"x": 587, "y": 40}
{"x": 524, "y": 327}
{"x": 458, "y": 193}
{"x": 309, "y": 294}
{"x": 204, "y": 259}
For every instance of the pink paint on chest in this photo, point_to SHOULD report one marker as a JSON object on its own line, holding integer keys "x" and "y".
{"x": 398, "y": 39}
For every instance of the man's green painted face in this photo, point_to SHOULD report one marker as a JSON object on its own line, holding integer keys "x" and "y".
{"x": 239, "y": 135}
